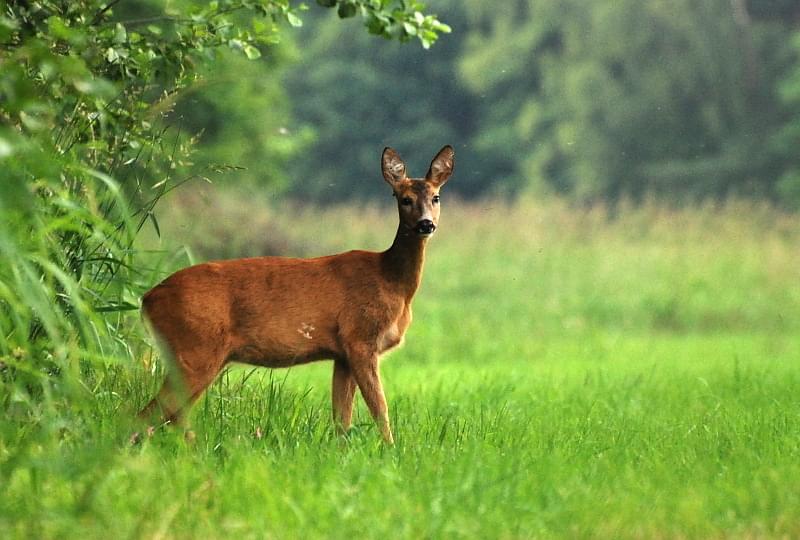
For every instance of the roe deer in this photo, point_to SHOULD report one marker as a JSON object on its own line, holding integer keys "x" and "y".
{"x": 281, "y": 312}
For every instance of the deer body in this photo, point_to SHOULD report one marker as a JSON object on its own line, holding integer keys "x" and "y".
{"x": 280, "y": 312}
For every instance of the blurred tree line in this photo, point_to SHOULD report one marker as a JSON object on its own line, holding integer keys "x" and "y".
{"x": 591, "y": 100}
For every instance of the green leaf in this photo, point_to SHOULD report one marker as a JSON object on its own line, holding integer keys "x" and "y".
{"x": 293, "y": 19}
{"x": 58, "y": 27}
{"x": 251, "y": 52}
{"x": 11, "y": 24}
{"x": 326, "y": 3}
{"x": 111, "y": 55}
{"x": 154, "y": 221}
{"x": 6, "y": 29}
{"x": 31, "y": 121}
{"x": 375, "y": 25}
{"x": 120, "y": 34}
{"x": 441, "y": 27}
{"x": 346, "y": 11}
{"x": 122, "y": 306}
{"x": 98, "y": 144}
{"x": 6, "y": 149}
{"x": 430, "y": 36}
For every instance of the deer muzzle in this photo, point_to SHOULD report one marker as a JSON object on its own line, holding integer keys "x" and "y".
{"x": 425, "y": 227}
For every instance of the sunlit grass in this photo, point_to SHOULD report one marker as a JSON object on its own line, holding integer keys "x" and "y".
{"x": 569, "y": 372}
{"x": 672, "y": 444}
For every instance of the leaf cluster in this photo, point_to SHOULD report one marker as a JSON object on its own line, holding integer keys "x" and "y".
{"x": 403, "y": 20}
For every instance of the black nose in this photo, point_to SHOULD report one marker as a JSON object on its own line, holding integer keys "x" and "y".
{"x": 425, "y": 226}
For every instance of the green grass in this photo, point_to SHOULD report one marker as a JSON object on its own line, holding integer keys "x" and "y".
{"x": 567, "y": 374}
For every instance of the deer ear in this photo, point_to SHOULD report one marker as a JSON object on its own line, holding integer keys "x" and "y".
{"x": 441, "y": 167}
{"x": 392, "y": 166}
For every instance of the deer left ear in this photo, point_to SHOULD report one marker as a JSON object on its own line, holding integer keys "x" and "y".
{"x": 441, "y": 167}
{"x": 392, "y": 167}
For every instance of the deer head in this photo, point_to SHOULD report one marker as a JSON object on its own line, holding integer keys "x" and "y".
{"x": 418, "y": 198}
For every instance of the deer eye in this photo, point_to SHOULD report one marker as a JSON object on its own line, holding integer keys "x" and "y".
{"x": 436, "y": 198}
{"x": 406, "y": 201}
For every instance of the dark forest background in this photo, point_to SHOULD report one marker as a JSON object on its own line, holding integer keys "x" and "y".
{"x": 600, "y": 100}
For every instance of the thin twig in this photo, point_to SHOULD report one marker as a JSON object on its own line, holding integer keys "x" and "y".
{"x": 102, "y": 12}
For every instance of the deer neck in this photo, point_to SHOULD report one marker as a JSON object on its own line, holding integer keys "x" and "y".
{"x": 402, "y": 262}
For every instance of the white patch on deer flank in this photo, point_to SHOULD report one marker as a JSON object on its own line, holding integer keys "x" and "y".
{"x": 305, "y": 330}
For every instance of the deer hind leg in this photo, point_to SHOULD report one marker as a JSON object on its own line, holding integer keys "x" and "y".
{"x": 364, "y": 366}
{"x": 344, "y": 389}
{"x": 189, "y": 375}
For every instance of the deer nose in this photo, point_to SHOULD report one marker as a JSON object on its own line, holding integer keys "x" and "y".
{"x": 425, "y": 226}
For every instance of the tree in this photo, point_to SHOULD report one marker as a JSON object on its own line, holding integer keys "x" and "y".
{"x": 787, "y": 140}
{"x": 621, "y": 98}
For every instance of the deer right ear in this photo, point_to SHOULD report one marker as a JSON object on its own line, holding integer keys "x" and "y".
{"x": 441, "y": 167}
{"x": 392, "y": 166}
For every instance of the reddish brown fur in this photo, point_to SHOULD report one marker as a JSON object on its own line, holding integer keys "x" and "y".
{"x": 280, "y": 312}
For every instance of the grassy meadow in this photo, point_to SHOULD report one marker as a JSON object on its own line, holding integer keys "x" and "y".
{"x": 570, "y": 372}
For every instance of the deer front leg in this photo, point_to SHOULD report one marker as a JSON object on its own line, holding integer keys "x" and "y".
{"x": 365, "y": 371}
{"x": 344, "y": 388}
